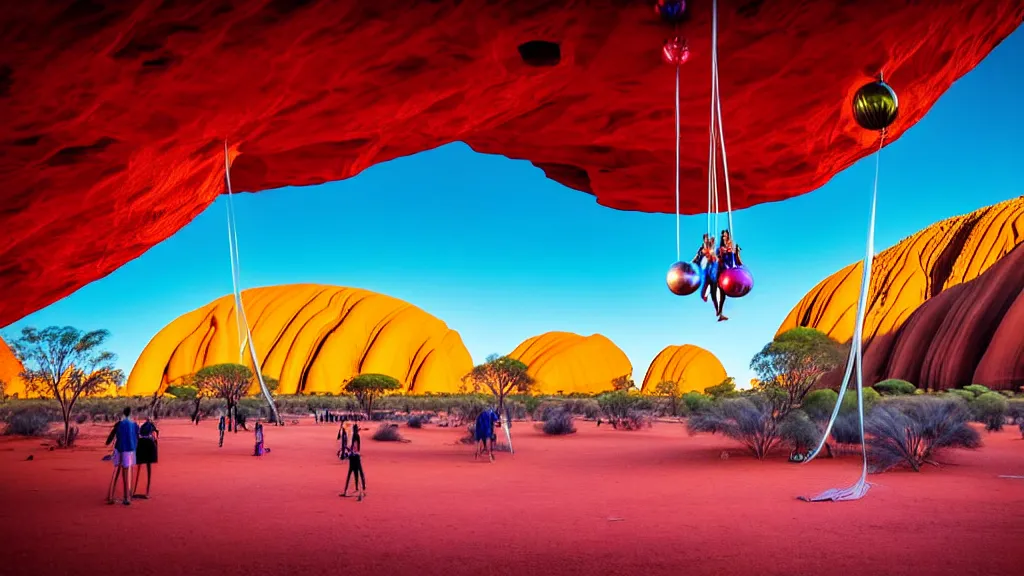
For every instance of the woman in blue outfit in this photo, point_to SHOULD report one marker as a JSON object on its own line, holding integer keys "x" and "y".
{"x": 728, "y": 257}
{"x": 707, "y": 261}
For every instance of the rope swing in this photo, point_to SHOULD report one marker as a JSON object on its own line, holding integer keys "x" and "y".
{"x": 875, "y": 107}
{"x": 242, "y": 323}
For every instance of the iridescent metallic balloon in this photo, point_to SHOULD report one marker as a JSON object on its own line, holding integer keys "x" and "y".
{"x": 684, "y": 278}
{"x": 671, "y": 11}
{"x": 875, "y": 106}
{"x": 675, "y": 51}
{"x": 735, "y": 282}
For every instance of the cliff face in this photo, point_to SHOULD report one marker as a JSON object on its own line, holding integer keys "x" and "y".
{"x": 113, "y": 115}
{"x": 943, "y": 303}
{"x": 10, "y": 372}
{"x": 564, "y": 363}
{"x": 312, "y": 338}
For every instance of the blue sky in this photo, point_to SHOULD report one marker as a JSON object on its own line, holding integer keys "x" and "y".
{"x": 501, "y": 253}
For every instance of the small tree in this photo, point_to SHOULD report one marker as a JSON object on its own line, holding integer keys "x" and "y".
{"x": 187, "y": 389}
{"x": 227, "y": 381}
{"x": 502, "y": 376}
{"x": 624, "y": 382}
{"x": 368, "y": 387}
{"x": 670, "y": 390}
{"x": 64, "y": 363}
{"x": 725, "y": 389}
{"x": 794, "y": 362}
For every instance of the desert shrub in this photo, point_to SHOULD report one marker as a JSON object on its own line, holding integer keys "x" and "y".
{"x": 749, "y": 420}
{"x": 727, "y": 389}
{"x": 1015, "y": 409}
{"x": 846, "y": 429}
{"x": 585, "y": 407}
{"x": 1007, "y": 393}
{"x": 976, "y": 389}
{"x": 387, "y": 433}
{"x": 636, "y": 419}
{"x": 623, "y": 409}
{"x": 965, "y": 395}
{"x": 547, "y": 410}
{"x": 29, "y": 422}
{"x": 818, "y": 404}
{"x": 67, "y": 440}
{"x": 466, "y": 409}
{"x": 895, "y": 387}
{"x": 695, "y": 402}
{"x": 81, "y": 419}
{"x": 417, "y": 421}
{"x": 871, "y": 397}
{"x": 559, "y": 423}
{"x": 912, "y": 431}
{"x": 799, "y": 431}
{"x": 990, "y": 409}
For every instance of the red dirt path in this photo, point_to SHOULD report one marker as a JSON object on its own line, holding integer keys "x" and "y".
{"x": 432, "y": 510}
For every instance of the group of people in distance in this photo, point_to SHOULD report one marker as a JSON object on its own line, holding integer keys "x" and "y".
{"x": 134, "y": 446}
{"x": 714, "y": 261}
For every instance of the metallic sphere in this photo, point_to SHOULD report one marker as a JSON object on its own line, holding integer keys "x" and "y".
{"x": 875, "y": 106}
{"x": 684, "y": 278}
{"x": 736, "y": 282}
{"x": 675, "y": 51}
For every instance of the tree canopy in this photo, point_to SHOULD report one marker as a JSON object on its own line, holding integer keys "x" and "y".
{"x": 368, "y": 387}
{"x": 794, "y": 361}
{"x": 502, "y": 375}
{"x": 65, "y": 363}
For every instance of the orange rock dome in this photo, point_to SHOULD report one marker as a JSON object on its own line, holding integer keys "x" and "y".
{"x": 963, "y": 264}
{"x": 564, "y": 363}
{"x": 10, "y": 371}
{"x": 693, "y": 367}
{"x": 312, "y": 338}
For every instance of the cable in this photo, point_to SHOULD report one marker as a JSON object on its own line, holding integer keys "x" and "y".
{"x": 678, "y": 246}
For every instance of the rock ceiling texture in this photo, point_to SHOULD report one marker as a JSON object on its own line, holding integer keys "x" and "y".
{"x": 311, "y": 338}
{"x": 946, "y": 305}
{"x": 113, "y": 114}
{"x": 566, "y": 363}
{"x": 692, "y": 367}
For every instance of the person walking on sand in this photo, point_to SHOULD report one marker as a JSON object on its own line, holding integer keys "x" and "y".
{"x": 343, "y": 436}
{"x": 146, "y": 453}
{"x": 357, "y": 444}
{"x": 222, "y": 425}
{"x": 355, "y": 468}
{"x": 125, "y": 436}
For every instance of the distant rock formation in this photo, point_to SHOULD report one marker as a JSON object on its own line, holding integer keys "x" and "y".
{"x": 693, "y": 367}
{"x": 564, "y": 363}
{"x": 312, "y": 338}
{"x": 10, "y": 372}
{"x": 945, "y": 306}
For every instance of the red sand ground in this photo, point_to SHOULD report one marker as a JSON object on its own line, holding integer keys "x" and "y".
{"x": 432, "y": 510}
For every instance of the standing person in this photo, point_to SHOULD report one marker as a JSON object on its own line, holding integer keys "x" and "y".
{"x": 146, "y": 454}
{"x": 357, "y": 444}
{"x": 259, "y": 450}
{"x": 222, "y": 425}
{"x": 343, "y": 436}
{"x": 484, "y": 432}
{"x": 125, "y": 437}
{"x": 355, "y": 467}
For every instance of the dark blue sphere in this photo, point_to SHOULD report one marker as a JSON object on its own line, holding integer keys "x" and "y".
{"x": 684, "y": 278}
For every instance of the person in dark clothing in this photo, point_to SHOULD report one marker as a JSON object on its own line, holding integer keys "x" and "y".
{"x": 145, "y": 454}
{"x": 343, "y": 436}
{"x": 357, "y": 444}
{"x": 355, "y": 468}
{"x": 222, "y": 425}
{"x": 125, "y": 437}
{"x": 483, "y": 431}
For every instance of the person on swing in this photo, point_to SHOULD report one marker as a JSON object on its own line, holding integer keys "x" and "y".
{"x": 728, "y": 257}
{"x": 707, "y": 260}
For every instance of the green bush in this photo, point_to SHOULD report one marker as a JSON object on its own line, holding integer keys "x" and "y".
{"x": 977, "y": 389}
{"x": 727, "y": 389}
{"x": 387, "y": 433}
{"x": 990, "y": 409}
{"x": 871, "y": 397}
{"x": 559, "y": 423}
{"x": 964, "y": 395}
{"x": 696, "y": 402}
{"x": 895, "y": 387}
{"x": 818, "y": 404}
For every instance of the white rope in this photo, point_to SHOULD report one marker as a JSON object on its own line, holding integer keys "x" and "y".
{"x": 856, "y": 357}
{"x": 718, "y": 107}
{"x": 245, "y": 337}
{"x": 678, "y": 246}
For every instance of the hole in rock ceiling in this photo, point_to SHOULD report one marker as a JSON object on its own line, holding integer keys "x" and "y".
{"x": 540, "y": 53}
